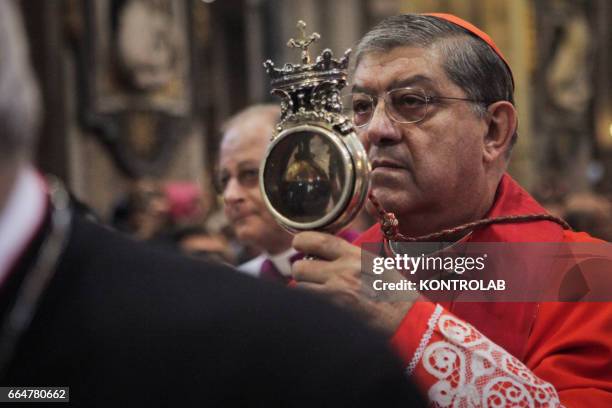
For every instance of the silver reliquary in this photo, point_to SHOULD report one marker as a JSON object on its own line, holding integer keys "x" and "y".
{"x": 315, "y": 174}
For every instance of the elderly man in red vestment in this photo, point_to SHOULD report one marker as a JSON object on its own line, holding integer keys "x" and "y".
{"x": 432, "y": 100}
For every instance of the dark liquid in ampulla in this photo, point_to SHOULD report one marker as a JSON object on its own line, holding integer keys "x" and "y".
{"x": 306, "y": 197}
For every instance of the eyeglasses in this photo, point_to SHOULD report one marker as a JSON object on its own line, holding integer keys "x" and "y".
{"x": 402, "y": 105}
{"x": 247, "y": 177}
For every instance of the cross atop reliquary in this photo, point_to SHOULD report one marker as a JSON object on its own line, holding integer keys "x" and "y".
{"x": 304, "y": 42}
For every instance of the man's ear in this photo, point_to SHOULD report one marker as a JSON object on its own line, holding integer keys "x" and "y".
{"x": 503, "y": 121}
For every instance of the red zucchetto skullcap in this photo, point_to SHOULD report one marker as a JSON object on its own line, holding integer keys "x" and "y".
{"x": 476, "y": 31}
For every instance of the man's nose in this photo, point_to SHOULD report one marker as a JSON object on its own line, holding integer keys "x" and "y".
{"x": 233, "y": 192}
{"x": 381, "y": 129}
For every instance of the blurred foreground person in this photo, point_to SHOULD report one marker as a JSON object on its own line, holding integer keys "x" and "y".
{"x": 124, "y": 325}
{"x": 432, "y": 98}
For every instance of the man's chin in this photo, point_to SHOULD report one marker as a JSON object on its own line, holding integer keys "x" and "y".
{"x": 394, "y": 200}
{"x": 250, "y": 232}
{"x": 391, "y": 176}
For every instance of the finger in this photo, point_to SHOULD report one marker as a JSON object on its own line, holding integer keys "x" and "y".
{"x": 324, "y": 246}
{"x": 311, "y": 287}
{"x": 315, "y": 271}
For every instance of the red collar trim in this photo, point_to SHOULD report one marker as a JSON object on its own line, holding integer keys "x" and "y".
{"x": 510, "y": 199}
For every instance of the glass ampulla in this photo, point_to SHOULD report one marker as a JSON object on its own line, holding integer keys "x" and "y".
{"x": 315, "y": 173}
{"x": 304, "y": 177}
{"x": 305, "y": 185}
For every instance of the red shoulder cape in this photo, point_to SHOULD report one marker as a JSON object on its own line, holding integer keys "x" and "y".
{"x": 507, "y": 324}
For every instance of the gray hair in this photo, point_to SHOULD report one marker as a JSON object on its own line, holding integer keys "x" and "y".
{"x": 19, "y": 94}
{"x": 469, "y": 62}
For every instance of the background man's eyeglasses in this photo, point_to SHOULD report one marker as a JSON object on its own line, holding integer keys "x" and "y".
{"x": 247, "y": 177}
{"x": 402, "y": 105}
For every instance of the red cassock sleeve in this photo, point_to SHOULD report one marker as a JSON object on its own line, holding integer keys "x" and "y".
{"x": 568, "y": 361}
{"x": 571, "y": 346}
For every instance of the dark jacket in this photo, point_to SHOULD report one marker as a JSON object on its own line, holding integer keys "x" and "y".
{"x": 123, "y": 324}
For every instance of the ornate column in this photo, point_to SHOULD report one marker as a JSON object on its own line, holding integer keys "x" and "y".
{"x": 563, "y": 95}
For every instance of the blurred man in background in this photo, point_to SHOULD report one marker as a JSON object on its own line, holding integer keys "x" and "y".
{"x": 246, "y": 136}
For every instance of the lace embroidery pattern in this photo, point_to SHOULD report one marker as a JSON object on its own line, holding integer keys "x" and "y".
{"x": 472, "y": 371}
{"x": 431, "y": 326}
